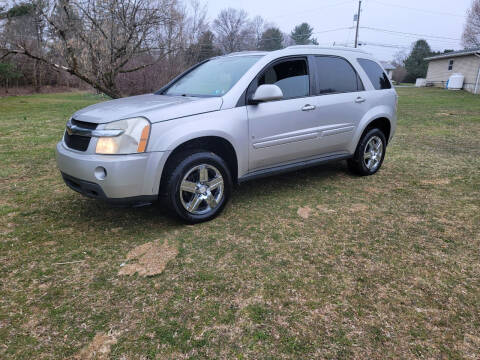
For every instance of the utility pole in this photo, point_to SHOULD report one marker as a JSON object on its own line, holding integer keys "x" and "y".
{"x": 358, "y": 21}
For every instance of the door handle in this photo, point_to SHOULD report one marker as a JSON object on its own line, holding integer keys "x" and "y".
{"x": 359, "y": 100}
{"x": 308, "y": 107}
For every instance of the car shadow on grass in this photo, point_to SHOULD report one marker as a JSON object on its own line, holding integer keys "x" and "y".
{"x": 157, "y": 214}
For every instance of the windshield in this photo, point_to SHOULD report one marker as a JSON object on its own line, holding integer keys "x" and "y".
{"x": 213, "y": 78}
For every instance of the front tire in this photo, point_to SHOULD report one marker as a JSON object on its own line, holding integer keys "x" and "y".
{"x": 198, "y": 186}
{"x": 369, "y": 155}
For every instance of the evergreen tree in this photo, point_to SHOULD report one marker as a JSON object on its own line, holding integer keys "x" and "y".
{"x": 8, "y": 72}
{"x": 203, "y": 49}
{"x": 302, "y": 35}
{"x": 272, "y": 39}
{"x": 415, "y": 63}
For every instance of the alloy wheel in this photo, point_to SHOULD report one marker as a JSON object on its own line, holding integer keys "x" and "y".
{"x": 372, "y": 155}
{"x": 202, "y": 189}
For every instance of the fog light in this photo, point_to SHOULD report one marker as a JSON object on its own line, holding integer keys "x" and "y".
{"x": 100, "y": 173}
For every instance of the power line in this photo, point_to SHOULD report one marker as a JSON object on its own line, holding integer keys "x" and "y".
{"x": 409, "y": 34}
{"x": 368, "y": 43}
{"x": 417, "y": 9}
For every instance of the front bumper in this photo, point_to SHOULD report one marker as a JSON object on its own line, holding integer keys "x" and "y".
{"x": 129, "y": 178}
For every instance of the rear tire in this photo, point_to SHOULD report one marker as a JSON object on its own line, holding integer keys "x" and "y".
{"x": 198, "y": 185}
{"x": 369, "y": 155}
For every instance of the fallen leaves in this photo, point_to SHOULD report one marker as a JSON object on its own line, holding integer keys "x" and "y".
{"x": 148, "y": 259}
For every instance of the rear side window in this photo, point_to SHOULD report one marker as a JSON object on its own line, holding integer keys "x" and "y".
{"x": 291, "y": 76}
{"x": 336, "y": 75}
{"x": 377, "y": 76}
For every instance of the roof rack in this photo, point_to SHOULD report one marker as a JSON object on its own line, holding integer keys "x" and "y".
{"x": 246, "y": 52}
{"x": 318, "y": 47}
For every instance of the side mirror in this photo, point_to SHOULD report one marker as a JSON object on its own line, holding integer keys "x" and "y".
{"x": 266, "y": 93}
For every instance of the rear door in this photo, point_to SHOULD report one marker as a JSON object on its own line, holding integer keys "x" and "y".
{"x": 340, "y": 101}
{"x": 285, "y": 130}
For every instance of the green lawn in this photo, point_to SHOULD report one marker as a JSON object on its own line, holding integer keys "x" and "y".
{"x": 386, "y": 266}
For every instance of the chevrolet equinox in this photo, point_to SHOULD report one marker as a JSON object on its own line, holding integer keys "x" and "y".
{"x": 231, "y": 119}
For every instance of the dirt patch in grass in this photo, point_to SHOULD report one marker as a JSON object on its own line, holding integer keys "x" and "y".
{"x": 304, "y": 212}
{"x": 436, "y": 182}
{"x": 325, "y": 210}
{"x": 470, "y": 347}
{"x": 99, "y": 348}
{"x": 148, "y": 259}
{"x": 358, "y": 207}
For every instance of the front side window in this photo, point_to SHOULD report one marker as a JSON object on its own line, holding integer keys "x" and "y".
{"x": 336, "y": 75}
{"x": 450, "y": 65}
{"x": 376, "y": 74}
{"x": 291, "y": 76}
{"x": 212, "y": 78}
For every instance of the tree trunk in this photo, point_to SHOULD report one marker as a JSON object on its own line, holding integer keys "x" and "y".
{"x": 36, "y": 80}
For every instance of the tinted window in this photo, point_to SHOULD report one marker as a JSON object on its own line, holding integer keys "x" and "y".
{"x": 290, "y": 76}
{"x": 336, "y": 75}
{"x": 213, "y": 78}
{"x": 377, "y": 76}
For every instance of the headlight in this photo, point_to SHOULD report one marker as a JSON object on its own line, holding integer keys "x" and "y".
{"x": 133, "y": 139}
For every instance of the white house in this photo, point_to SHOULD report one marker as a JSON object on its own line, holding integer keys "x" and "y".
{"x": 465, "y": 62}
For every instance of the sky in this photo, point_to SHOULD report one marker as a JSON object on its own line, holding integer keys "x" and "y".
{"x": 390, "y": 25}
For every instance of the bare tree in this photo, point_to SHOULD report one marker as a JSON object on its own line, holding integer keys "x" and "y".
{"x": 186, "y": 40}
{"x": 287, "y": 40}
{"x": 97, "y": 40}
{"x": 197, "y": 21}
{"x": 471, "y": 32}
{"x": 24, "y": 24}
{"x": 234, "y": 31}
{"x": 399, "y": 58}
{"x": 258, "y": 26}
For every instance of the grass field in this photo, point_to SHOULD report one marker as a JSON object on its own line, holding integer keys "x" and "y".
{"x": 313, "y": 264}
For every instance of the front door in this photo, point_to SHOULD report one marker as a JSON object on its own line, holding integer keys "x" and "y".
{"x": 285, "y": 130}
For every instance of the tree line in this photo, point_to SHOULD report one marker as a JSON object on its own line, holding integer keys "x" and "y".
{"x": 124, "y": 47}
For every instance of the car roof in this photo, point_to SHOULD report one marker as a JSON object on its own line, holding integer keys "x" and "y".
{"x": 305, "y": 50}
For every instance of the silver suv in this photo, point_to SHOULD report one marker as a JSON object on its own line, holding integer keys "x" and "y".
{"x": 231, "y": 119}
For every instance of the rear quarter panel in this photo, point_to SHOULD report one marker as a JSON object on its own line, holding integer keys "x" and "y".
{"x": 383, "y": 104}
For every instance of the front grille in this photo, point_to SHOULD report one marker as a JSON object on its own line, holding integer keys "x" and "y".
{"x": 78, "y": 142}
{"x": 84, "y": 124}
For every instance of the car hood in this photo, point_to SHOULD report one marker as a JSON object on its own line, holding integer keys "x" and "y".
{"x": 154, "y": 107}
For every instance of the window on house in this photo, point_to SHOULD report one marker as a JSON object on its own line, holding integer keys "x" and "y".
{"x": 450, "y": 65}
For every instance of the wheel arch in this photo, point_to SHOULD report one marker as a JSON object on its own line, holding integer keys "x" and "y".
{"x": 216, "y": 144}
{"x": 377, "y": 117}
{"x": 381, "y": 123}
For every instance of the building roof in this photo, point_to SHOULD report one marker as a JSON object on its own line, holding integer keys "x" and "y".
{"x": 455, "y": 54}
